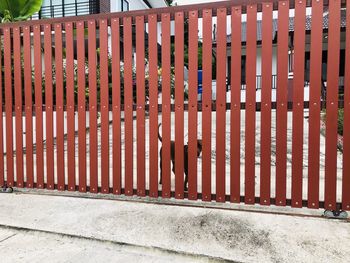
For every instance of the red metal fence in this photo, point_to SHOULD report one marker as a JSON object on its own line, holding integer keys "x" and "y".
{"x": 90, "y": 108}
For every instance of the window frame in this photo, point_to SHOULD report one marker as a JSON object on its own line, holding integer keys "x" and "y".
{"x": 122, "y": 5}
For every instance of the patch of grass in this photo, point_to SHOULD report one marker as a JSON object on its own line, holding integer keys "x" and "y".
{"x": 340, "y": 119}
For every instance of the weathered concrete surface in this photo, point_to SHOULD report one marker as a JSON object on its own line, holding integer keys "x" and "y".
{"x": 35, "y": 246}
{"x": 232, "y": 235}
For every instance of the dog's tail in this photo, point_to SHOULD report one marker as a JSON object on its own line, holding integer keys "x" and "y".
{"x": 159, "y": 137}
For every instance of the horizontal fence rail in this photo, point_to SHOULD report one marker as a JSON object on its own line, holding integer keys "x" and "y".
{"x": 163, "y": 103}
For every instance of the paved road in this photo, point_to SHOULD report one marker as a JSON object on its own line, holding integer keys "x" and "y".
{"x": 36, "y": 246}
{"x": 158, "y": 231}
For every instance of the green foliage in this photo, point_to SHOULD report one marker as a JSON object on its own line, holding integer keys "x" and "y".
{"x": 340, "y": 121}
{"x": 18, "y": 10}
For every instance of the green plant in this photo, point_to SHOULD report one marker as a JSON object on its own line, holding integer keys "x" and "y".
{"x": 340, "y": 121}
{"x": 18, "y": 10}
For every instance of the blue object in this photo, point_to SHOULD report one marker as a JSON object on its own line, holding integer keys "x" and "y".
{"x": 200, "y": 77}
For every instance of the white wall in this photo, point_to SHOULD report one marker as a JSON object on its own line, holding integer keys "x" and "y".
{"x": 133, "y": 5}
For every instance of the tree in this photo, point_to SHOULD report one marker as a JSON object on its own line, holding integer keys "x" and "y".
{"x": 18, "y": 10}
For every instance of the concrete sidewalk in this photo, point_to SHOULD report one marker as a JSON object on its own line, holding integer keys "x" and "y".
{"x": 36, "y": 228}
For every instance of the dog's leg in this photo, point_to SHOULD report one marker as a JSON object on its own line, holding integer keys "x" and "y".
{"x": 173, "y": 162}
{"x": 186, "y": 167}
{"x": 186, "y": 180}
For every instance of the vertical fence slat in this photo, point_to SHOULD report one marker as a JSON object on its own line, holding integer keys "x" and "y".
{"x": 250, "y": 105}
{"x": 332, "y": 105}
{"x": 206, "y": 105}
{"x": 92, "y": 58}
{"x": 2, "y": 177}
{"x": 235, "y": 127}
{"x": 28, "y": 105}
{"x": 128, "y": 102}
{"x": 49, "y": 107}
{"x": 221, "y": 106}
{"x": 59, "y": 108}
{"x": 8, "y": 106}
{"x": 298, "y": 104}
{"x": 166, "y": 113}
{"x": 70, "y": 105}
{"x": 266, "y": 70}
{"x": 179, "y": 105}
{"x": 116, "y": 106}
{"x": 18, "y": 104}
{"x": 153, "y": 102}
{"x": 314, "y": 111}
{"x": 81, "y": 106}
{"x": 281, "y": 112}
{"x": 39, "y": 149}
{"x": 192, "y": 109}
{"x": 346, "y": 128}
{"x": 140, "y": 78}
{"x": 104, "y": 97}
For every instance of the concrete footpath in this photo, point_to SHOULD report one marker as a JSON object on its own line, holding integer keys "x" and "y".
{"x": 39, "y": 227}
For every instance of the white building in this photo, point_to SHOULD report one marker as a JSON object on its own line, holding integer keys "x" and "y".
{"x": 62, "y": 8}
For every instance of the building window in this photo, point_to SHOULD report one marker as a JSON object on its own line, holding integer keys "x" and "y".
{"x": 125, "y": 5}
{"x": 62, "y": 8}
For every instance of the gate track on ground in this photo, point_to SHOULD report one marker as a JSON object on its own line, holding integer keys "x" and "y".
{"x": 172, "y": 202}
